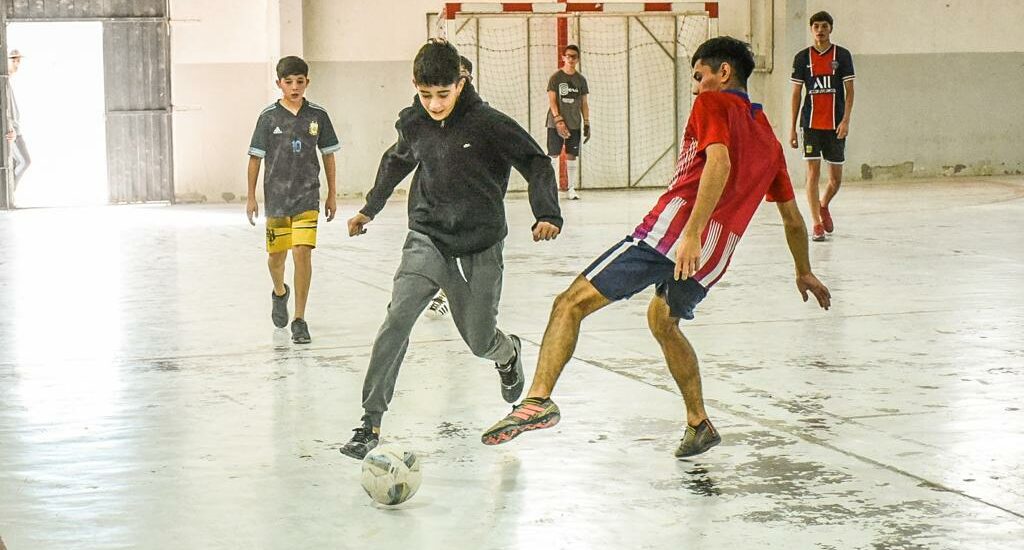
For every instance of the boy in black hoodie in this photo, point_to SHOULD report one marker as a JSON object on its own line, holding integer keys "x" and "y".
{"x": 463, "y": 152}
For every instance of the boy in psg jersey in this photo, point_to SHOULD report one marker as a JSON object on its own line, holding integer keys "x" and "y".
{"x": 729, "y": 162}
{"x": 287, "y": 136}
{"x": 826, "y": 71}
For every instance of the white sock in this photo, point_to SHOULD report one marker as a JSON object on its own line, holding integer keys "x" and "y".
{"x": 573, "y": 168}
{"x": 556, "y": 165}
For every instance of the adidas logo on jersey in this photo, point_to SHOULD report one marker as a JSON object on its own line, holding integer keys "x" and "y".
{"x": 277, "y": 130}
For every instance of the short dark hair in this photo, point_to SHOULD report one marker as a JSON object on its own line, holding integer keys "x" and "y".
{"x": 726, "y": 49}
{"x": 291, "y": 65}
{"x": 436, "y": 64}
{"x": 465, "y": 63}
{"x": 821, "y": 16}
{"x": 572, "y": 47}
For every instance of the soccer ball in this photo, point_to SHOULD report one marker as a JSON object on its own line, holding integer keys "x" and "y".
{"x": 391, "y": 475}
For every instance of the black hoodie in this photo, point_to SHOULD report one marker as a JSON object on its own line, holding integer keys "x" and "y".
{"x": 462, "y": 167}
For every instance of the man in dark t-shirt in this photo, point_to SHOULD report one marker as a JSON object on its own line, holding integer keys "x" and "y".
{"x": 568, "y": 116}
{"x": 826, "y": 71}
{"x": 287, "y": 136}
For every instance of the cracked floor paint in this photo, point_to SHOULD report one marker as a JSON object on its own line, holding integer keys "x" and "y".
{"x": 147, "y": 402}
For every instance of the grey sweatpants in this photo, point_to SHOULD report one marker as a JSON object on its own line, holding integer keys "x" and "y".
{"x": 473, "y": 286}
{"x": 20, "y": 159}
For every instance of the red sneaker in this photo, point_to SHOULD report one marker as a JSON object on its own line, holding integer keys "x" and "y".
{"x": 826, "y": 219}
{"x": 818, "y": 234}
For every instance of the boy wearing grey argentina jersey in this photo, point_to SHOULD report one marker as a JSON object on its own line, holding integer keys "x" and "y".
{"x": 568, "y": 116}
{"x": 287, "y": 136}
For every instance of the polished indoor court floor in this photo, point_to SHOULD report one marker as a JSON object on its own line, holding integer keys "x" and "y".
{"x": 147, "y": 402}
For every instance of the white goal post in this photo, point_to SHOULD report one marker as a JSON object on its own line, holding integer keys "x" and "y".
{"x": 635, "y": 57}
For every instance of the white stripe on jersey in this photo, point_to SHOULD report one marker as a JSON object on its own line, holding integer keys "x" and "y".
{"x": 707, "y": 249}
{"x": 611, "y": 258}
{"x": 315, "y": 106}
{"x": 723, "y": 261}
{"x": 663, "y": 222}
{"x": 710, "y": 242}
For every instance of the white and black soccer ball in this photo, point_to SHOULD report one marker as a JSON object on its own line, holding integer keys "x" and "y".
{"x": 391, "y": 475}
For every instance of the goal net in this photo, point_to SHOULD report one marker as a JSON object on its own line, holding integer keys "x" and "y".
{"x": 636, "y": 62}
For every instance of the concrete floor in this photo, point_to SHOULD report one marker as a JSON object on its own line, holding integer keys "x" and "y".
{"x": 147, "y": 402}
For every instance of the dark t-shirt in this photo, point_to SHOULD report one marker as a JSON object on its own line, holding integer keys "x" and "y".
{"x": 570, "y": 89}
{"x": 288, "y": 144}
{"x": 824, "y": 75}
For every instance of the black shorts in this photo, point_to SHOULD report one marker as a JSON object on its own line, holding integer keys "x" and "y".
{"x": 572, "y": 145}
{"x": 631, "y": 266}
{"x": 820, "y": 144}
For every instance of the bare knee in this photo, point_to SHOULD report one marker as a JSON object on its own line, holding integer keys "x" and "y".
{"x": 659, "y": 319}
{"x": 277, "y": 259}
{"x": 568, "y": 304}
{"x": 302, "y": 253}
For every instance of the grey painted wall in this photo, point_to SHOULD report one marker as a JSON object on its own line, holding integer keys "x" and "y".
{"x": 941, "y": 113}
{"x": 363, "y": 99}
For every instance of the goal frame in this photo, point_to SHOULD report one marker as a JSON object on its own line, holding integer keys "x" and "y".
{"x": 455, "y": 15}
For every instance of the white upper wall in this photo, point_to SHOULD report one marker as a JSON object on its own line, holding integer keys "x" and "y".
{"x": 225, "y": 31}
{"x": 381, "y": 30}
{"x": 869, "y": 27}
{"x": 393, "y": 30}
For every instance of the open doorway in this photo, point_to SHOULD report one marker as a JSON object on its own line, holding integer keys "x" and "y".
{"x": 60, "y": 94}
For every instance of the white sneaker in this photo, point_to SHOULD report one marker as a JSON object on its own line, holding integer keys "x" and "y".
{"x": 572, "y": 195}
{"x": 438, "y": 306}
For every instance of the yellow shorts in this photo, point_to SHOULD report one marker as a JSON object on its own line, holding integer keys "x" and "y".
{"x": 284, "y": 233}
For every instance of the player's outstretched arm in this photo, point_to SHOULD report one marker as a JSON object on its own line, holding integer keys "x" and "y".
{"x": 529, "y": 159}
{"x": 709, "y": 191}
{"x": 796, "y": 238}
{"x": 252, "y": 209}
{"x": 794, "y": 113}
{"x": 396, "y": 163}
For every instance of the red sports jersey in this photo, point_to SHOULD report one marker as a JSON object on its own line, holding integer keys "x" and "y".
{"x": 758, "y": 170}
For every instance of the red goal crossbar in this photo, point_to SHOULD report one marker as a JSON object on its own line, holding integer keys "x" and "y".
{"x": 452, "y": 9}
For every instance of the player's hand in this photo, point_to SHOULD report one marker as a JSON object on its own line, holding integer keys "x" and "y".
{"x": 545, "y": 231}
{"x": 809, "y": 283}
{"x": 356, "y": 224}
{"x": 687, "y": 258}
{"x": 586, "y": 133}
{"x": 842, "y": 130}
{"x": 563, "y": 129}
{"x": 331, "y": 207}
{"x": 792, "y": 138}
{"x": 252, "y": 210}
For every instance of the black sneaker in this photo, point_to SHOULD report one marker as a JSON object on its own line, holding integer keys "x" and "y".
{"x": 698, "y": 440}
{"x": 512, "y": 379}
{"x": 279, "y": 312}
{"x": 361, "y": 443}
{"x": 300, "y": 332}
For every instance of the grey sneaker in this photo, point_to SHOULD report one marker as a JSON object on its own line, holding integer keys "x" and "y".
{"x": 361, "y": 443}
{"x": 512, "y": 379}
{"x": 698, "y": 440}
{"x": 300, "y": 332}
{"x": 279, "y": 312}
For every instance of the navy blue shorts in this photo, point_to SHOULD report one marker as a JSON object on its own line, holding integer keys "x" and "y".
{"x": 631, "y": 266}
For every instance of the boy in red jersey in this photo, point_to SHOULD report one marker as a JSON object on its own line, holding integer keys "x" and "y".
{"x": 826, "y": 70}
{"x": 729, "y": 161}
